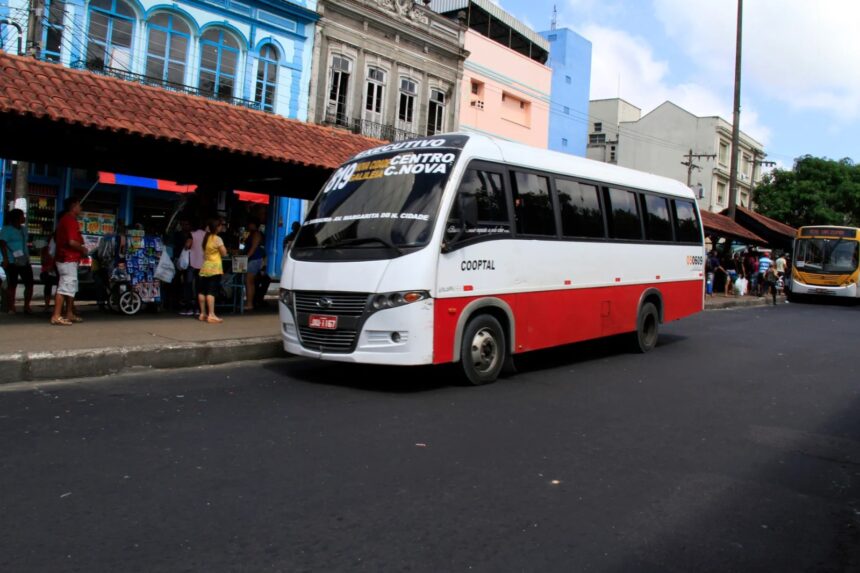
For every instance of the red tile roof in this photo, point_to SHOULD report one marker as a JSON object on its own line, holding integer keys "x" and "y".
{"x": 80, "y": 98}
{"x": 772, "y": 224}
{"x": 722, "y": 225}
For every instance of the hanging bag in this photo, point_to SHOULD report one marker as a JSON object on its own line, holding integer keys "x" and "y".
{"x": 184, "y": 259}
{"x": 165, "y": 269}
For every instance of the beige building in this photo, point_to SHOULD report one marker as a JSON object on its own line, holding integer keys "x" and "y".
{"x": 389, "y": 69}
{"x": 660, "y": 141}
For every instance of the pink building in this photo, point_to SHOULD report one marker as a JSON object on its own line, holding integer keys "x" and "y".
{"x": 506, "y": 86}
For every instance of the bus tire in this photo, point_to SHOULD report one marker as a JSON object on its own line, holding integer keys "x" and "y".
{"x": 647, "y": 328}
{"x": 483, "y": 352}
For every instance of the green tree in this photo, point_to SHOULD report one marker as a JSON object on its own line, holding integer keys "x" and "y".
{"x": 817, "y": 191}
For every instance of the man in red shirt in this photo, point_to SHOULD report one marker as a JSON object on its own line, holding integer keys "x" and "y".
{"x": 70, "y": 251}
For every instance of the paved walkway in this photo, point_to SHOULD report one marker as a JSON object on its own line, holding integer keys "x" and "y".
{"x": 106, "y": 343}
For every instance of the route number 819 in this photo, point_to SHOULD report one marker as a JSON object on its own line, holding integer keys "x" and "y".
{"x": 340, "y": 178}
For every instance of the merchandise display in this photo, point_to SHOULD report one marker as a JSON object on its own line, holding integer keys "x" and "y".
{"x": 141, "y": 261}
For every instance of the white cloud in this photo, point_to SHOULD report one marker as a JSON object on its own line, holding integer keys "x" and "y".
{"x": 799, "y": 52}
{"x": 625, "y": 66}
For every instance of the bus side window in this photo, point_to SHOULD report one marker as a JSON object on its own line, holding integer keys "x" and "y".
{"x": 533, "y": 206}
{"x": 481, "y": 208}
{"x": 580, "y": 209}
{"x": 623, "y": 211}
{"x": 687, "y": 228}
{"x": 658, "y": 224}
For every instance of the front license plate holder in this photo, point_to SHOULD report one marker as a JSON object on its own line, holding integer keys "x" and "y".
{"x": 322, "y": 322}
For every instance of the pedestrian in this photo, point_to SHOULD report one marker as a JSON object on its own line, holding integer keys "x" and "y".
{"x": 48, "y": 274}
{"x": 736, "y": 270}
{"x": 211, "y": 272}
{"x": 764, "y": 263}
{"x": 769, "y": 277}
{"x": 191, "y": 288}
{"x": 751, "y": 272}
{"x": 70, "y": 251}
{"x": 288, "y": 240}
{"x": 255, "y": 249}
{"x": 781, "y": 264}
{"x": 711, "y": 267}
{"x": 14, "y": 244}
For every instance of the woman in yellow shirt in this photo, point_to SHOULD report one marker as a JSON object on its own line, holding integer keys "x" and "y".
{"x": 211, "y": 271}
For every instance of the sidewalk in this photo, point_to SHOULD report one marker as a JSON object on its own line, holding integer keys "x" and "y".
{"x": 105, "y": 343}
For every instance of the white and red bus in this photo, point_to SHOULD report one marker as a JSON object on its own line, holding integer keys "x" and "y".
{"x": 465, "y": 248}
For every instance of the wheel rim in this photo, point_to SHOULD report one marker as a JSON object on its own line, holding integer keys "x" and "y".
{"x": 129, "y": 303}
{"x": 485, "y": 351}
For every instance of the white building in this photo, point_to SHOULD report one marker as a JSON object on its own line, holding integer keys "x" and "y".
{"x": 660, "y": 141}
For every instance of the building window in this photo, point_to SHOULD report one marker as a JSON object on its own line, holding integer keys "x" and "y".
{"x": 436, "y": 113}
{"x": 53, "y": 32}
{"x": 564, "y": 142}
{"x": 724, "y": 153}
{"x": 598, "y": 126}
{"x": 612, "y": 157}
{"x": 336, "y": 111}
{"x": 267, "y": 77}
{"x": 406, "y": 108}
{"x": 552, "y": 37}
{"x": 477, "y": 88}
{"x": 721, "y": 193}
{"x": 110, "y": 33}
{"x": 219, "y": 58}
{"x": 566, "y": 110}
{"x": 374, "y": 98}
{"x": 597, "y": 138}
{"x": 745, "y": 166}
{"x": 568, "y": 79}
{"x": 167, "y": 48}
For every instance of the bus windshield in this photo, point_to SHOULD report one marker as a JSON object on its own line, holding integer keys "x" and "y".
{"x": 379, "y": 206}
{"x": 829, "y": 256}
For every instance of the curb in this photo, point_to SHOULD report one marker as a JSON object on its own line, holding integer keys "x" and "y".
{"x": 744, "y": 303}
{"x": 32, "y": 366}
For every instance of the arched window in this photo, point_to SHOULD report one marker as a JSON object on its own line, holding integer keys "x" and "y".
{"x": 54, "y": 25}
{"x": 267, "y": 77}
{"x": 436, "y": 112}
{"x": 406, "y": 107}
{"x": 110, "y": 34}
{"x": 219, "y": 59}
{"x": 167, "y": 48}
{"x": 336, "y": 107}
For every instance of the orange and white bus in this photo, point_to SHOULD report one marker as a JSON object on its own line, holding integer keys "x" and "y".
{"x": 825, "y": 262}
{"x": 465, "y": 248}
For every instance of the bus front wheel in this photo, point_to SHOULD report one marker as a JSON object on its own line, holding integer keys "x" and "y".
{"x": 647, "y": 328}
{"x": 483, "y": 352}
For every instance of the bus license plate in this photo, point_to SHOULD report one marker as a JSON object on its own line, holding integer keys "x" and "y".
{"x": 323, "y": 322}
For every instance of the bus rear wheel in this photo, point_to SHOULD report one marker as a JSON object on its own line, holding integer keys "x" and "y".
{"x": 483, "y": 352}
{"x": 647, "y": 328}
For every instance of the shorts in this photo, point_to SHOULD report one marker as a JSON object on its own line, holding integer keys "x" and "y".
{"x": 255, "y": 266}
{"x": 733, "y": 275}
{"x": 68, "y": 281}
{"x": 49, "y": 278}
{"x": 14, "y": 272}
{"x": 209, "y": 286}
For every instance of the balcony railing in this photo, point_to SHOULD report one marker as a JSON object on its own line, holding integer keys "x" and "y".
{"x": 369, "y": 128}
{"x": 158, "y": 82}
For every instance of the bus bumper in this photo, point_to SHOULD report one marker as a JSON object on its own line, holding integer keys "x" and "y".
{"x": 401, "y": 336}
{"x": 799, "y": 288}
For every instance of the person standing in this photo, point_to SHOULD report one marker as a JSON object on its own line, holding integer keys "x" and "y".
{"x": 70, "y": 251}
{"x": 48, "y": 275}
{"x": 780, "y": 265}
{"x": 191, "y": 287}
{"x": 764, "y": 264}
{"x": 13, "y": 242}
{"x": 255, "y": 249}
{"x": 211, "y": 272}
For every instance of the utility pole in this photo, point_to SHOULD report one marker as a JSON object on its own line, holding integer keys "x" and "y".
{"x": 736, "y": 120}
{"x": 33, "y": 49}
{"x": 690, "y": 165}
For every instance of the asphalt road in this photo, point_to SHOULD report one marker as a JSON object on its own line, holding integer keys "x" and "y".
{"x": 733, "y": 446}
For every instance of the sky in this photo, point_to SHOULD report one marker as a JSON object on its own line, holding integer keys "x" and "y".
{"x": 800, "y": 84}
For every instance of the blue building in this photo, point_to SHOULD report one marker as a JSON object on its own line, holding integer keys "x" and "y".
{"x": 253, "y": 53}
{"x": 570, "y": 60}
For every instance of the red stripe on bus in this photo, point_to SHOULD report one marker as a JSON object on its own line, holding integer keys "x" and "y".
{"x": 552, "y": 318}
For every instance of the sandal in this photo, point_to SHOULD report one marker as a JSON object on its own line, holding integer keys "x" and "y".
{"x": 75, "y": 319}
{"x": 202, "y": 318}
{"x": 60, "y": 321}
{"x": 214, "y": 320}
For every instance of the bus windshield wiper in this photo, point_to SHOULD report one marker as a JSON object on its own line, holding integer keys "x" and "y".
{"x": 362, "y": 240}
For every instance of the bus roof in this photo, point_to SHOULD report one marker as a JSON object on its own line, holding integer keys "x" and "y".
{"x": 493, "y": 148}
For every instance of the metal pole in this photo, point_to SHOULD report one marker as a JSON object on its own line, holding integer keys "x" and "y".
{"x": 736, "y": 127}
{"x": 17, "y": 26}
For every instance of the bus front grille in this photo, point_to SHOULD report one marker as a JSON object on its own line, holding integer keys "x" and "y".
{"x": 335, "y": 303}
{"x": 327, "y": 341}
{"x": 348, "y": 307}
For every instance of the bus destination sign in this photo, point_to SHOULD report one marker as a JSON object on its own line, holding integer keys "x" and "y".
{"x": 828, "y": 232}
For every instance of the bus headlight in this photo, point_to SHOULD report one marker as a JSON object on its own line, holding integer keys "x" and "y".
{"x": 394, "y": 299}
{"x": 285, "y": 296}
